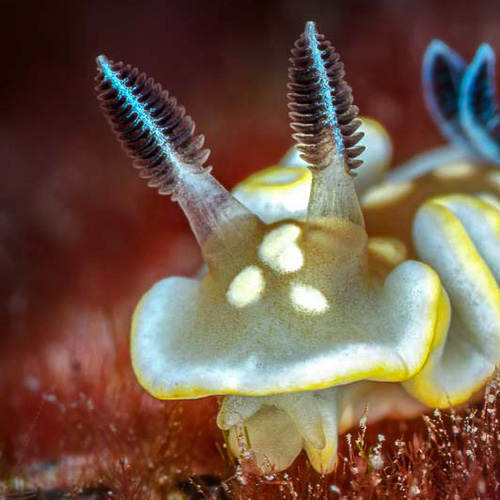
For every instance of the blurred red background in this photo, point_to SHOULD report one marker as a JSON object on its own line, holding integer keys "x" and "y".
{"x": 81, "y": 237}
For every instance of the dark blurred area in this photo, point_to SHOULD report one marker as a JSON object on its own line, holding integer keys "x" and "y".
{"x": 77, "y": 227}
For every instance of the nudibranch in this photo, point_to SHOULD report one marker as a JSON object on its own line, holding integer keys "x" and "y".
{"x": 323, "y": 290}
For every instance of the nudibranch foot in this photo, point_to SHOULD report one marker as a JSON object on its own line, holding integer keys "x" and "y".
{"x": 276, "y": 428}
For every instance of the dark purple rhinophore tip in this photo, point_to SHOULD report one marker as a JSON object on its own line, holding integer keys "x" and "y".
{"x": 150, "y": 125}
{"x": 321, "y": 108}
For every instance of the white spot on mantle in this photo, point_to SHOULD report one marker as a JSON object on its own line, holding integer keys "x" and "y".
{"x": 246, "y": 287}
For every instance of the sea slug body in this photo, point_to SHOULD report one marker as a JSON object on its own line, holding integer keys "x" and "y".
{"x": 324, "y": 290}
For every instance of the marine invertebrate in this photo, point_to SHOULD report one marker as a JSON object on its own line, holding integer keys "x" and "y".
{"x": 304, "y": 310}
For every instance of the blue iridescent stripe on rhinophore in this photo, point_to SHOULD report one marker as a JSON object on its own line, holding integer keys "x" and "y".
{"x": 442, "y": 73}
{"x": 329, "y": 113}
{"x": 479, "y": 106}
{"x": 143, "y": 116}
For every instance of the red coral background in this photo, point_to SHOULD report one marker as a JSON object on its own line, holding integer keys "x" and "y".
{"x": 81, "y": 237}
